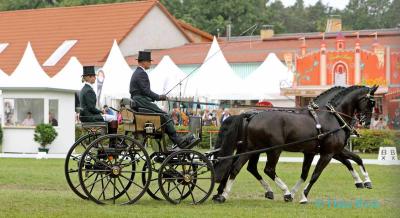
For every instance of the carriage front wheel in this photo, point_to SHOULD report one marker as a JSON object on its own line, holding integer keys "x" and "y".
{"x": 186, "y": 176}
{"x": 110, "y": 170}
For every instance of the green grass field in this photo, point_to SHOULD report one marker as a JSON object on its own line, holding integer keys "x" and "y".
{"x": 37, "y": 188}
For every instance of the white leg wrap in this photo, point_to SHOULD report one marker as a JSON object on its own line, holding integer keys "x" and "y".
{"x": 227, "y": 188}
{"x": 365, "y": 174}
{"x": 282, "y": 185}
{"x": 266, "y": 186}
{"x": 303, "y": 197}
{"x": 356, "y": 177}
{"x": 297, "y": 187}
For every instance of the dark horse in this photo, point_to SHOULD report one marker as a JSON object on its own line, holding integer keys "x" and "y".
{"x": 343, "y": 156}
{"x": 280, "y": 127}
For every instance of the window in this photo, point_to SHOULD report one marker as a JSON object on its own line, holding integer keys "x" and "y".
{"x": 23, "y": 112}
{"x": 53, "y": 112}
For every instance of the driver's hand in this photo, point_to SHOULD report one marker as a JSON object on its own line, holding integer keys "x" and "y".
{"x": 163, "y": 97}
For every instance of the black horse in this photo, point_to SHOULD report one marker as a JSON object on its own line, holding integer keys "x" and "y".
{"x": 320, "y": 100}
{"x": 280, "y": 127}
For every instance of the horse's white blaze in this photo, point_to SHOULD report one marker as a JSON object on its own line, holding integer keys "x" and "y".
{"x": 265, "y": 185}
{"x": 365, "y": 174}
{"x": 227, "y": 188}
{"x": 282, "y": 185}
{"x": 297, "y": 186}
{"x": 356, "y": 177}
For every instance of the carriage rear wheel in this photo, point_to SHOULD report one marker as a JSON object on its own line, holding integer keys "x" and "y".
{"x": 108, "y": 170}
{"x": 186, "y": 176}
{"x": 71, "y": 165}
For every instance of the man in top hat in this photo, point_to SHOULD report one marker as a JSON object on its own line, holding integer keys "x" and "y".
{"x": 143, "y": 96}
{"x": 88, "y": 100}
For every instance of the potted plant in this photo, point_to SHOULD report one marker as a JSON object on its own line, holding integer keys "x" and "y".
{"x": 44, "y": 135}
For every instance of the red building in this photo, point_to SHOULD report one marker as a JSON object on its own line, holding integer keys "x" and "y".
{"x": 346, "y": 62}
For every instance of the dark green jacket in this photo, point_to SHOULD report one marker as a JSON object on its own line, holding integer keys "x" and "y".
{"x": 89, "y": 112}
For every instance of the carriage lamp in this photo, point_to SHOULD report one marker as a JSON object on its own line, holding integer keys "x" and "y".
{"x": 149, "y": 128}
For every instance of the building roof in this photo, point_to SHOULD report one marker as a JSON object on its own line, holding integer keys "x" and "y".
{"x": 205, "y": 37}
{"x": 253, "y": 49}
{"x": 94, "y": 27}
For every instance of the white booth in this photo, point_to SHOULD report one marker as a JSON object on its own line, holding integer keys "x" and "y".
{"x": 43, "y": 104}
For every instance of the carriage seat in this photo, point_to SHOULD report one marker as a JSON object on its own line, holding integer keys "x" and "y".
{"x": 130, "y": 103}
{"x": 95, "y": 127}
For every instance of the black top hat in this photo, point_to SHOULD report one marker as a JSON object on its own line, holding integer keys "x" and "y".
{"x": 88, "y": 71}
{"x": 144, "y": 56}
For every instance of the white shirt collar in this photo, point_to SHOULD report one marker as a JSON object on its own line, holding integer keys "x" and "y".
{"x": 89, "y": 85}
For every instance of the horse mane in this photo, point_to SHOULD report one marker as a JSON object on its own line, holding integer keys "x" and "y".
{"x": 228, "y": 134}
{"x": 338, "y": 97}
{"x": 326, "y": 92}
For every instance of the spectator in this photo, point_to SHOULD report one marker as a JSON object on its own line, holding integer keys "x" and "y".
{"x": 396, "y": 120}
{"x": 28, "y": 121}
{"x": 206, "y": 118}
{"x": 225, "y": 115}
{"x": 52, "y": 120}
{"x": 380, "y": 124}
{"x": 107, "y": 110}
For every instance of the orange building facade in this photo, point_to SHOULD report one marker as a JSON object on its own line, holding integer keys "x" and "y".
{"x": 344, "y": 65}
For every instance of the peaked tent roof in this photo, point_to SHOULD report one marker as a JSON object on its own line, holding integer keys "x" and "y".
{"x": 117, "y": 75}
{"x": 28, "y": 73}
{"x": 92, "y": 25}
{"x": 69, "y": 77}
{"x": 3, "y": 78}
{"x": 265, "y": 82}
{"x": 165, "y": 76}
{"x": 215, "y": 78}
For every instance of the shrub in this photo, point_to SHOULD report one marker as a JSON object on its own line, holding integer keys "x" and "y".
{"x": 371, "y": 140}
{"x": 45, "y": 134}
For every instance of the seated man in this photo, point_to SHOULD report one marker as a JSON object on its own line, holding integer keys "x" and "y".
{"x": 88, "y": 100}
{"x": 140, "y": 92}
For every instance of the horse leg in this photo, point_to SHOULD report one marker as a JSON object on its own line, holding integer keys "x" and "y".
{"x": 221, "y": 187}
{"x": 270, "y": 166}
{"x": 343, "y": 159}
{"x": 321, "y": 164}
{"x": 308, "y": 158}
{"x": 358, "y": 160}
{"x": 252, "y": 168}
{"x": 237, "y": 165}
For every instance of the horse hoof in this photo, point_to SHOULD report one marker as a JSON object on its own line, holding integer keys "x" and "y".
{"x": 368, "y": 185}
{"x": 219, "y": 199}
{"x": 288, "y": 198}
{"x": 303, "y": 202}
{"x": 359, "y": 185}
{"x": 269, "y": 195}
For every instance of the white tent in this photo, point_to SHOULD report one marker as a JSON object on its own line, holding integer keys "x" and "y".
{"x": 266, "y": 81}
{"x": 28, "y": 73}
{"x": 69, "y": 77}
{"x": 215, "y": 79}
{"x": 117, "y": 76}
{"x": 3, "y": 78}
{"x": 165, "y": 76}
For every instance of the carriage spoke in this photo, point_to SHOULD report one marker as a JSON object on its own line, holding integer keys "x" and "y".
{"x": 132, "y": 181}
{"x": 104, "y": 189}
{"x": 92, "y": 184}
{"x": 84, "y": 180}
{"x": 126, "y": 191}
{"x": 72, "y": 171}
{"x": 191, "y": 194}
{"x": 97, "y": 175}
{"x": 198, "y": 187}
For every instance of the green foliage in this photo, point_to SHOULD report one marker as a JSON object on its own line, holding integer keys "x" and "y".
{"x": 45, "y": 134}
{"x": 207, "y": 132}
{"x": 371, "y": 140}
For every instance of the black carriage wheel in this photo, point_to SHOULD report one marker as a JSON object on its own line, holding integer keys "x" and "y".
{"x": 154, "y": 189}
{"x": 71, "y": 165}
{"x": 108, "y": 174}
{"x": 183, "y": 171}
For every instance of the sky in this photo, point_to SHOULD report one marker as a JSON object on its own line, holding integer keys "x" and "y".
{"x": 340, "y": 4}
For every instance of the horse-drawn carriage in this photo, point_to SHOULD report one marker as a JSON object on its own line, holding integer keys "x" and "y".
{"x": 120, "y": 168}
{"x": 117, "y": 169}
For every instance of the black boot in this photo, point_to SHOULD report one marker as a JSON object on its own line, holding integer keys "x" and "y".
{"x": 113, "y": 129}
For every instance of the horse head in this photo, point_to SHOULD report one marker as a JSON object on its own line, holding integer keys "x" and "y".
{"x": 228, "y": 136}
{"x": 366, "y": 105}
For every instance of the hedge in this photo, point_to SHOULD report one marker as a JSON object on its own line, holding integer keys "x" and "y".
{"x": 371, "y": 140}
